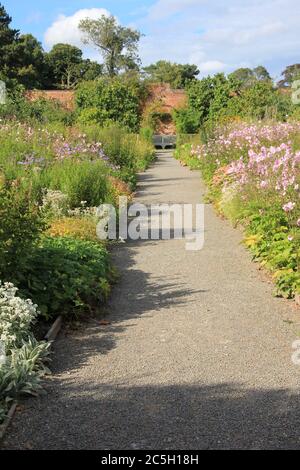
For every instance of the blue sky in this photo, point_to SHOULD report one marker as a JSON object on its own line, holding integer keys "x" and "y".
{"x": 217, "y": 35}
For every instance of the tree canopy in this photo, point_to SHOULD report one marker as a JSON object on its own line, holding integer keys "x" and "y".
{"x": 248, "y": 77}
{"x": 67, "y": 67}
{"x": 118, "y": 45}
{"x": 177, "y": 75}
{"x": 289, "y": 75}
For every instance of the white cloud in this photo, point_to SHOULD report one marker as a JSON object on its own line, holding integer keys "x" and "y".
{"x": 65, "y": 28}
{"x": 212, "y": 66}
{"x": 221, "y": 35}
{"x": 216, "y": 35}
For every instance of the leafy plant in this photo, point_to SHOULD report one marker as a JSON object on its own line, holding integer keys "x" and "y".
{"x": 67, "y": 276}
{"x": 24, "y": 364}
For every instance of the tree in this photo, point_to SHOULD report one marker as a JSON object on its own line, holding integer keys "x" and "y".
{"x": 63, "y": 61}
{"x": 29, "y": 62}
{"x": 117, "y": 44}
{"x": 290, "y": 74}
{"x": 261, "y": 74}
{"x": 21, "y": 57}
{"x": 244, "y": 75}
{"x": 90, "y": 70}
{"x": 7, "y": 38}
{"x": 110, "y": 100}
{"x": 66, "y": 67}
{"x": 177, "y": 75}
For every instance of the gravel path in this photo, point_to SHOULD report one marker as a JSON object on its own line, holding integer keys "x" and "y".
{"x": 197, "y": 355}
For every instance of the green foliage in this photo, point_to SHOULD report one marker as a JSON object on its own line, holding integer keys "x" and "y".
{"x": 245, "y": 94}
{"x": 117, "y": 44}
{"x": 130, "y": 152}
{"x": 75, "y": 272}
{"x": 23, "y": 366}
{"x": 177, "y": 75}
{"x": 267, "y": 239}
{"x": 80, "y": 181}
{"x": 29, "y": 67}
{"x": 146, "y": 134}
{"x": 248, "y": 77}
{"x": 289, "y": 75}
{"x": 22, "y": 57}
{"x": 111, "y": 101}
{"x": 258, "y": 100}
{"x": 41, "y": 111}
{"x": 272, "y": 235}
{"x": 186, "y": 120}
{"x": 201, "y": 95}
{"x": 21, "y": 226}
{"x": 22, "y": 374}
{"x": 67, "y": 67}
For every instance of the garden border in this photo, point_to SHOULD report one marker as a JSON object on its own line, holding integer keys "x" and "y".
{"x": 4, "y": 427}
{"x": 50, "y": 337}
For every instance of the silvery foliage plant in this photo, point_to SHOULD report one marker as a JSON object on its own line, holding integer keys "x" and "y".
{"x": 22, "y": 357}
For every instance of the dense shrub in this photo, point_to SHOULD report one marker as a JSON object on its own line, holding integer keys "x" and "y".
{"x": 186, "y": 120}
{"x": 83, "y": 228}
{"x": 41, "y": 110}
{"x": 67, "y": 276}
{"x": 81, "y": 181}
{"x": 107, "y": 101}
{"x": 216, "y": 99}
{"x": 21, "y": 226}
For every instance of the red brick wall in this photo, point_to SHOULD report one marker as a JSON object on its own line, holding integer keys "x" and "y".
{"x": 65, "y": 97}
{"x": 171, "y": 99}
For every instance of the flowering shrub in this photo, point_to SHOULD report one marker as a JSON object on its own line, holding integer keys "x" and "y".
{"x": 17, "y": 316}
{"x": 22, "y": 367}
{"x": 81, "y": 227}
{"x": 253, "y": 172}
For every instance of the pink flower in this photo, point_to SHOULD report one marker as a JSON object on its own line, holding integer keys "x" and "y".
{"x": 289, "y": 207}
{"x": 290, "y": 238}
{"x": 298, "y": 223}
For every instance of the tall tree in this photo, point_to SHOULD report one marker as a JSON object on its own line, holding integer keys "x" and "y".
{"x": 262, "y": 74}
{"x": 21, "y": 57}
{"x": 90, "y": 70}
{"x": 244, "y": 75}
{"x": 8, "y": 36}
{"x": 117, "y": 44}
{"x": 29, "y": 63}
{"x": 289, "y": 75}
{"x": 67, "y": 67}
{"x": 248, "y": 77}
{"x": 63, "y": 61}
{"x": 177, "y": 75}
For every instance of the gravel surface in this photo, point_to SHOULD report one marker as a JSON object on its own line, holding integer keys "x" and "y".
{"x": 197, "y": 354}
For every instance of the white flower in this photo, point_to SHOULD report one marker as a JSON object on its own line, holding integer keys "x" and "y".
{"x": 16, "y": 316}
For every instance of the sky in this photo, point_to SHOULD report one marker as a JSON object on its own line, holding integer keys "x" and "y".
{"x": 216, "y": 35}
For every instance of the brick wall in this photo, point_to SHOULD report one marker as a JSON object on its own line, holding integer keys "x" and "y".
{"x": 65, "y": 97}
{"x": 171, "y": 99}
